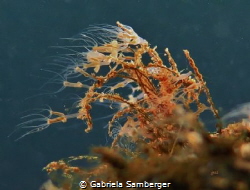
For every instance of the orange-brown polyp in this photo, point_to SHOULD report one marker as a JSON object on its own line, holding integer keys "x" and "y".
{"x": 74, "y": 85}
{"x": 61, "y": 118}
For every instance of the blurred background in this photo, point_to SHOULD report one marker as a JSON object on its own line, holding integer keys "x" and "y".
{"x": 216, "y": 32}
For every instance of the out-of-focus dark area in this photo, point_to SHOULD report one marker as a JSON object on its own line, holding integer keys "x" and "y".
{"x": 215, "y": 32}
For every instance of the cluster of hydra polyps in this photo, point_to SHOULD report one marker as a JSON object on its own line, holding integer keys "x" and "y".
{"x": 113, "y": 70}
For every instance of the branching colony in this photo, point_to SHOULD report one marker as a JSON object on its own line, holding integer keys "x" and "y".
{"x": 156, "y": 89}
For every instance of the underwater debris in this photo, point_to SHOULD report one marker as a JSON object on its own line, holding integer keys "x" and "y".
{"x": 242, "y": 112}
